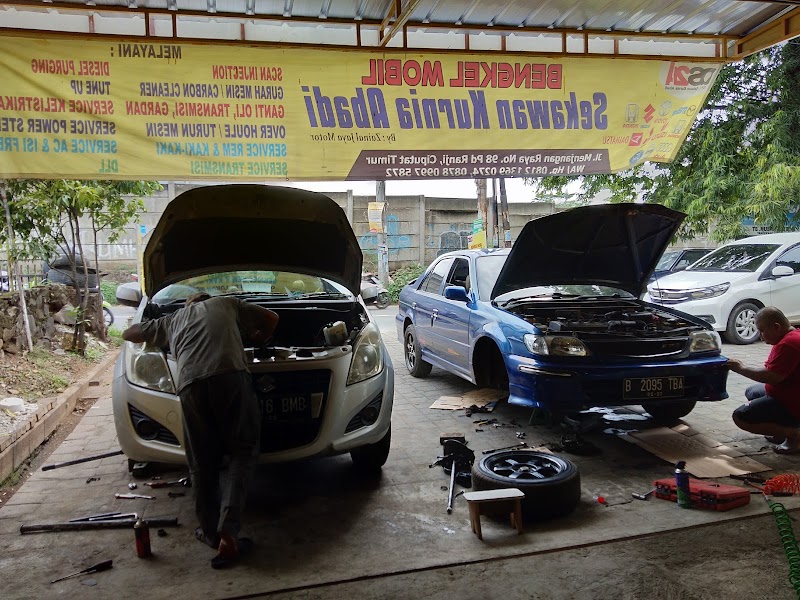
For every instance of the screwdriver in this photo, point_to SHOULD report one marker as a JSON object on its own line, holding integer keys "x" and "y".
{"x": 101, "y": 566}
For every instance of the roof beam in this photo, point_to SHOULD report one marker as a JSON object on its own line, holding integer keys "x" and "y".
{"x": 780, "y": 30}
{"x": 401, "y": 16}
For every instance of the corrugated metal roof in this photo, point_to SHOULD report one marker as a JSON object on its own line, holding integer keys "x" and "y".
{"x": 684, "y": 19}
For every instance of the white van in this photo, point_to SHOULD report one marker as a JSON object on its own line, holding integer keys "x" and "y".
{"x": 728, "y": 286}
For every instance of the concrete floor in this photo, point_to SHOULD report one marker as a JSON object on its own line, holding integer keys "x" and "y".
{"x": 317, "y": 527}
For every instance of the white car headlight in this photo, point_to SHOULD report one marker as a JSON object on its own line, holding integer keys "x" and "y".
{"x": 709, "y": 292}
{"x": 146, "y": 367}
{"x": 558, "y": 345}
{"x": 704, "y": 341}
{"x": 367, "y": 355}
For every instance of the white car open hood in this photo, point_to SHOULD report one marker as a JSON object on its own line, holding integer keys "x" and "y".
{"x": 616, "y": 245}
{"x": 252, "y": 227}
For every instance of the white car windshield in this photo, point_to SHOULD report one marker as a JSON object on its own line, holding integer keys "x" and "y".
{"x": 257, "y": 283}
{"x": 667, "y": 260}
{"x": 745, "y": 258}
{"x": 488, "y": 269}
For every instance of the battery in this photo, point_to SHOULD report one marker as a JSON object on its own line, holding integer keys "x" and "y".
{"x": 709, "y": 496}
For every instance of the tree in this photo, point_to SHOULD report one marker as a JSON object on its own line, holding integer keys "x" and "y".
{"x": 46, "y": 215}
{"x": 741, "y": 158}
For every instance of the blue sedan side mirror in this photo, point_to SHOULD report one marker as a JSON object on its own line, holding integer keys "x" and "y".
{"x": 456, "y": 292}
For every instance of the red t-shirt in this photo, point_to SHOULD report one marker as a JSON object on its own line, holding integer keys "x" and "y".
{"x": 784, "y": 359}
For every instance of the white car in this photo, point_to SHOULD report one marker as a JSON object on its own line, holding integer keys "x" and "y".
{"x": 728, "y": 286}
{"x": 325, "y": 383}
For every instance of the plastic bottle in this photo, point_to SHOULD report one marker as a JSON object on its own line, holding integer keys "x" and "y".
{"x": 142, "y": 533}
{"x": 682, "y": 485}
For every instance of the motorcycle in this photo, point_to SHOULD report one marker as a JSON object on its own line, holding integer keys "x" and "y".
{"x": 372, "y": 292}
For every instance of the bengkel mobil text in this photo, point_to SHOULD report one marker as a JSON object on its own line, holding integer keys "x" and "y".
{"x": 367, "y": 106}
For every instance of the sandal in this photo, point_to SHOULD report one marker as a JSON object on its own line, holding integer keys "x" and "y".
{"x": 786, "y": 448}
{"x": 226, "y": 559}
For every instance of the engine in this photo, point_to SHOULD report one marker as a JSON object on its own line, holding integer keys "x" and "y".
{"x": 575, "y": 320}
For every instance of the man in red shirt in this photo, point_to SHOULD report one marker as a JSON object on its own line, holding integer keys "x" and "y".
{"x": 773, "y": 409}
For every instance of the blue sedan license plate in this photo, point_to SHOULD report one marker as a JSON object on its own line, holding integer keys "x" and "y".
{"x": 644, "y": 388}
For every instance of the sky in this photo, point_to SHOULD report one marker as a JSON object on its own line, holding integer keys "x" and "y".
{"x": 516, "y": 190}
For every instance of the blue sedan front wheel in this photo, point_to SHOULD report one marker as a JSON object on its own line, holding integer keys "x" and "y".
{"x": 413, "y": 354}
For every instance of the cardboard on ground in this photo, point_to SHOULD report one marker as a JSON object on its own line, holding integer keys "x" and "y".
{"x": 704, "y": 456}
{"x": 483, "y": 398}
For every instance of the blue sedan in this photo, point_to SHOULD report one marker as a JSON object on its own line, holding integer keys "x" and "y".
{"x": 556, "y": 321}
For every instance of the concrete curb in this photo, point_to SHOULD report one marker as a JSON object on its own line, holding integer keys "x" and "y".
{"x": 23, "y": 441}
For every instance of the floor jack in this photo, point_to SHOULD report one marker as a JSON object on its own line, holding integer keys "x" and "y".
{"x": 458, "y": 458}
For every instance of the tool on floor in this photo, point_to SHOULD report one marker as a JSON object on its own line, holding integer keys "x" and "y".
{"x": 102, "y": 524}
{"x": 133, "y": 496}
{"x": 458, "y": 458}
{"x": 452, "y": 435}
{"x": 106, "y": 517}
{"x": 81, "y": 460}
{"x": 176, "y": 494}
{"x": 644, "y": 496}
{"x": 101, "y": 566}
{"x": 183, "y": 481}
{"x": 520, "y": 445}
{"x": 452, "y": 488}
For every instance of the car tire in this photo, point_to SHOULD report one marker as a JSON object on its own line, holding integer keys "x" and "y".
{"x": 382, "y": 300}
{"x": 742, "y": 324}
{"x": 413, "y": 354}
{"x": 551, "y": 484}
{"x": 370, "y": 458}
{"x": 670, "y": 411}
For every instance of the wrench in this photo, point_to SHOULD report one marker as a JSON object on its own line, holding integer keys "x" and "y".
{"x": 184, "y": 481}
{"x": 521, "y": 445}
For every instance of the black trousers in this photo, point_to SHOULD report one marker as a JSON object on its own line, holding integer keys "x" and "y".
{"x": 221, "y": 428}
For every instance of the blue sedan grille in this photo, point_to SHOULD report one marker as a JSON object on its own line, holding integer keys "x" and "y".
{"x": 636, "y": 347}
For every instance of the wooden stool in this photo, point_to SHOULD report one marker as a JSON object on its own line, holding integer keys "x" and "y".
{"x": 510, "y": 497}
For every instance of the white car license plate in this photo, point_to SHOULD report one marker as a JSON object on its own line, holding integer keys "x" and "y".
{"x": 643, "y": 388}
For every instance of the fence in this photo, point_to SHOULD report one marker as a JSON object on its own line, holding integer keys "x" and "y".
{"x": 31, "y": 272}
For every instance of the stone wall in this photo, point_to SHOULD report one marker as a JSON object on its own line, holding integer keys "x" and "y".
{"x": 43, "y": 303}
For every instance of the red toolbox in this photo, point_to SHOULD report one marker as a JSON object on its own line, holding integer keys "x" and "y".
{"x": 711, "y": 496}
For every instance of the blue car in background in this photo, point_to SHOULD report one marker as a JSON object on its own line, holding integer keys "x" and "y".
{"x": 557, "y": 321}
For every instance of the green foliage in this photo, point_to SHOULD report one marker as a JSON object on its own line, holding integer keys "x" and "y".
{"x": 402, "y": 277}
{"x": 109, "y": 291}
{"x": 740, "y": 159}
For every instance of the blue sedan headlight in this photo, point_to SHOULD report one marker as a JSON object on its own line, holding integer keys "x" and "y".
{"x": 556, "y": 345}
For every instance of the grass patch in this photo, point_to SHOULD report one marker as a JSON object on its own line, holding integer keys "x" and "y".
{"x": 109, "y": 289}
{"x": 115, "y": 334}
{"x": 402, "y": 277}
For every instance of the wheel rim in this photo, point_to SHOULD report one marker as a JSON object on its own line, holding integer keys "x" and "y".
{"x": 746, "y": 324}
{"x": 523, "y": 466}
{"x": 411, "y": 354}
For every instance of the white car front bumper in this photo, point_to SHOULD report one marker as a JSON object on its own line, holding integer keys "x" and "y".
{"x": 336, "y": 429}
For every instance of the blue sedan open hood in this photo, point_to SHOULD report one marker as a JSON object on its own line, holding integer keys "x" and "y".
{"x": 617, "y": 245}
{"x": 260, "y": 227}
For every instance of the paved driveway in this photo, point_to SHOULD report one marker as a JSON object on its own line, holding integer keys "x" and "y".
{"x": 315, "y": 523}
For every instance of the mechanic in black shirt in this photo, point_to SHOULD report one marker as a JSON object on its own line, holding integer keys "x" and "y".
{"x": 221, "y": 421}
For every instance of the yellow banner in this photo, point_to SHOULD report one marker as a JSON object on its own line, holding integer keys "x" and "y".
{"x": 125, "y": 109}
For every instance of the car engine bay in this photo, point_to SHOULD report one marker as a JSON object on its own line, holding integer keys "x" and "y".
{"x": 616, "y": 319}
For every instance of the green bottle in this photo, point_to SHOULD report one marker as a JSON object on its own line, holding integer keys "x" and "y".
{"x": 682, "y": 485}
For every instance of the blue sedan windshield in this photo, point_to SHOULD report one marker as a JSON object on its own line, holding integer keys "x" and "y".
{"x": 488, "y": 269}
